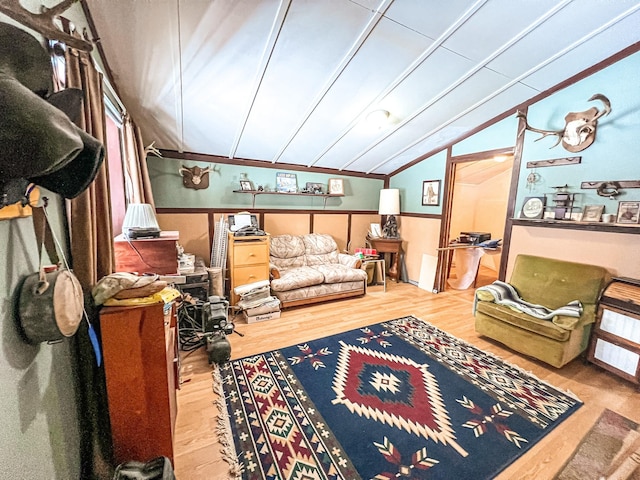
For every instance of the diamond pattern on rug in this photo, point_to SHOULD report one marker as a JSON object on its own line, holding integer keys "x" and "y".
{"x": 398, "y": 399}
{"x": 416, "y": 406}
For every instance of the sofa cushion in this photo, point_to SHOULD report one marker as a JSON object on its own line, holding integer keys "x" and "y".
{"x": 337, "y": 273}
{"x": 320, "y": 249}
{"x": 320, "y": 291}
{"x": 297, "y": 277}
{"x": 287, "y": 251}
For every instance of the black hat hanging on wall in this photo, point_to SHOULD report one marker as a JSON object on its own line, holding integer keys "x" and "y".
{"x": 39, "y": 142}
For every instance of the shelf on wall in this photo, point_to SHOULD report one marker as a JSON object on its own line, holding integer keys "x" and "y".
{"x": 324, "y": 196}
{"x": 575, "y": 225}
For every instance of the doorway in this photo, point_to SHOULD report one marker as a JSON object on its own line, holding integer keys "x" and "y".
{"x": 479, "y": 186}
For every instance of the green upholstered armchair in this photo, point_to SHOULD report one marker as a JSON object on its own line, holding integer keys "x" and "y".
{"x": 553, "y": 284}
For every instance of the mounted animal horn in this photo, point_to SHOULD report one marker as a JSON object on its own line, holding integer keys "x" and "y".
{"x": 579, "y": 131}
{"x": 195, "y": 177}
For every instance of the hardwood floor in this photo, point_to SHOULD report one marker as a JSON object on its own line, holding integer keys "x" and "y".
{"x": 198, "y": 454}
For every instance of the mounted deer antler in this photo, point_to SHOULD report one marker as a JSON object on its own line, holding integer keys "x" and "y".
{"x": 43, "y": 23}
{"x": 152, "y": 150}
{"x": 196, "y": 177}
{"x": 580, "y": 127}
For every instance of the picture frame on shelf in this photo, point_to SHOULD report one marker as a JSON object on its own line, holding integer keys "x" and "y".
{"x": 431, "y": 192}
{"x": 336, "y": 186}
{"x": 286, "y": 182}
{"x": 628, "y": 212}
{"x": 592, "y": 213}
{"x": 246, "y": 185}
{"x": 313, "y": 187}
{"x": 533, "y": 208}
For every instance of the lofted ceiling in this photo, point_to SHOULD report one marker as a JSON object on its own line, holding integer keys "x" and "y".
{"x": 292, "y": 81}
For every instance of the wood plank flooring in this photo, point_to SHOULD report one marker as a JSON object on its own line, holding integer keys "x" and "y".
{"x": 198, "y": 454}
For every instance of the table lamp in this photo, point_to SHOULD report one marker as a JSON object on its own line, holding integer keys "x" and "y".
{"x": 140, "y": 221}
{"x": 390, "y": 206}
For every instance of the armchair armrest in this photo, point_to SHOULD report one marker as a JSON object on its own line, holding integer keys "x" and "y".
{"x": 349, "y": 260}
{"x": 274, "y": 272}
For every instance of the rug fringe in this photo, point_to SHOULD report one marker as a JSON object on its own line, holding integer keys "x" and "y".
{"x": 569, "y": 393}
{"x": 223, "y": 428}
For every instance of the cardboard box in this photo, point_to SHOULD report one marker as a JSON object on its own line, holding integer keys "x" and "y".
{"x": 261, "y": 318}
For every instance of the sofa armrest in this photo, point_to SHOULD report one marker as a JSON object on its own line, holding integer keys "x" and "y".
{"x": 349, "y": 260}
{"x": 274, "y": 272}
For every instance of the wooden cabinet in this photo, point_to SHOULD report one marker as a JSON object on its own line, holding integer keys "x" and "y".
{"x": 141, "y": 367}
{"x": 147, "y": 255}
{"x": 615, "y": 339}
{"x": 248, "y": 261}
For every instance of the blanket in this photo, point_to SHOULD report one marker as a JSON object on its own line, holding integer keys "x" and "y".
{"x": 505, "y": 294}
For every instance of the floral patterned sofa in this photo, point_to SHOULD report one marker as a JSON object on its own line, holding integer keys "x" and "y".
{"x": 309, "y": 268}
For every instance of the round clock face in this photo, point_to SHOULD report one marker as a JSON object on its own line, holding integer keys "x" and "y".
{"x": 533, "y": 208}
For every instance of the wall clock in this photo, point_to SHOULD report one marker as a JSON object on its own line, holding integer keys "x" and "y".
{"x": 533, "y": 207}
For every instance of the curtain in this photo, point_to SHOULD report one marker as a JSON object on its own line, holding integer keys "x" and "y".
{"x": 135, "y": 165}
{"x": 90, "y": 226}
{"x": 91, "y": 242}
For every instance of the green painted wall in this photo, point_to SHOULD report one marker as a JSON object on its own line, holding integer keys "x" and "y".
{"x": 359, "y": 193}
{"x": 613, "y": 155}
{"x": 410, "y": 183}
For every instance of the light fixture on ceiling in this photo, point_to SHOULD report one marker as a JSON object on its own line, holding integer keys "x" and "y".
{"x": 390, "y": 206}
{"x": 378, "y": 118}
{"x": 500, "y": 158}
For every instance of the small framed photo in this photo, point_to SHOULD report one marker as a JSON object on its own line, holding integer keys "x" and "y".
{"x": 628, "y": 212}
{"x": 246, "y": 185}
{"x": 592, "y": 213}
{"x": 533, "y": 208}
{"x": 336, "y": 186}
{"x": 431, "y": 192}
{"x": 313, "y": 187}
{"x": 286, "y": 182}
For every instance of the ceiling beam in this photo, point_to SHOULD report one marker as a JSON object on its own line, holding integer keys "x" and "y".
{"x": 516, "y": 80}
{"x": 269, "y": 47}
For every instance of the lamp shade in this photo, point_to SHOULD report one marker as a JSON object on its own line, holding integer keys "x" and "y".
{"x": 389, "y": 201}
{"x": 139, "y": 216}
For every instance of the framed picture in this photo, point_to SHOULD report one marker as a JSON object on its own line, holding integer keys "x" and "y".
{"x": 286, "y": 182}
{"x": 431, "y": 192}
{"x": 628, "y": 212}
{"x": 313, "y": 187}
{"x": 533, "y": 207}
{"x": 336, "y": 186}
{"x": 246, "y": 185}
{"x": 592, "y": 213}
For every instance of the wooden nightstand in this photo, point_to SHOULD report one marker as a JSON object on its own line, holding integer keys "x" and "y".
{"x": 615, "y": 339}
{"x": 392, "y": 246}
{"x": 248, "y": 261}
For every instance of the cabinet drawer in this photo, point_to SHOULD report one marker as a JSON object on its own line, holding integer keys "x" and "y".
{"x": 250, "y": 254}
{"x": 244, "y": 275}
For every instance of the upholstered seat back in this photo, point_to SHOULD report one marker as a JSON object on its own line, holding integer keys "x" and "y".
{"x": 287, "y": 251}
{"x": 554, "y": 283}
{"x": 320, "y": 249}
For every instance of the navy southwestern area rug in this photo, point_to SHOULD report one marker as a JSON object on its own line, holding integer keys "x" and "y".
{"x": 398, "y": 399}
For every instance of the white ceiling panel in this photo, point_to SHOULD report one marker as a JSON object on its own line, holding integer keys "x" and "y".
{"x": 289, "y": 81}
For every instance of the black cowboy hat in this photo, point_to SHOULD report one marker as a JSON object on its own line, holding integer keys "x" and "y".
{"x": 39, "y": 143}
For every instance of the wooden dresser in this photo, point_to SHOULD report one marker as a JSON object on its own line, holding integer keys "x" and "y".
{"x": 615, "y": 339}
{"x": 247, "y": 262}
{"x": 141, "y": 367}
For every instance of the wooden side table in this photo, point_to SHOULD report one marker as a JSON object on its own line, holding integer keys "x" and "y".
{"x": 392, "y": 246}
